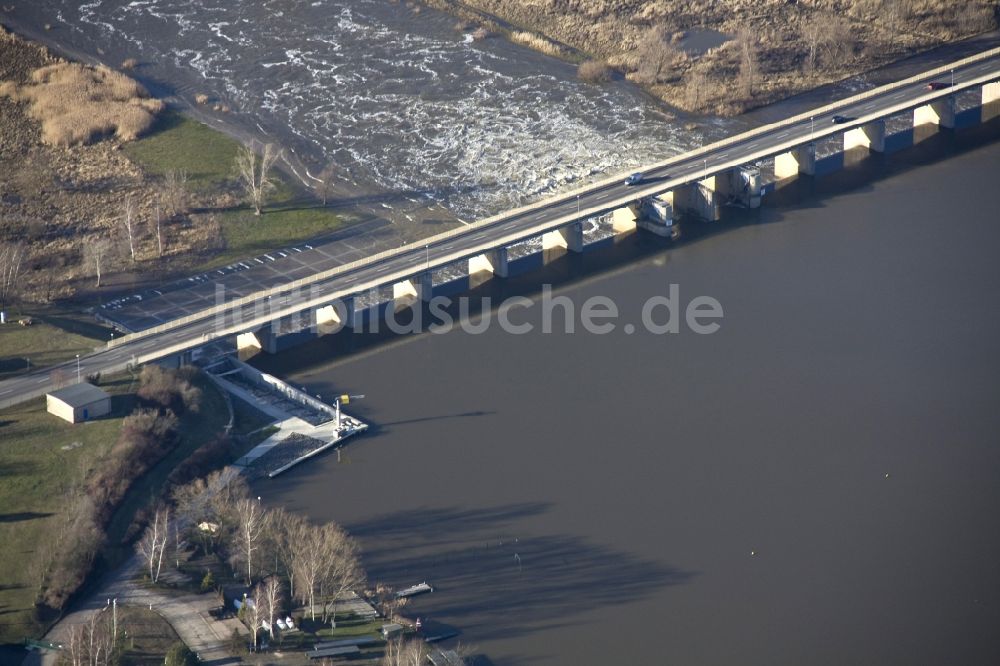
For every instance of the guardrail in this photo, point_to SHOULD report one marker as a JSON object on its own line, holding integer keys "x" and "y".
{"x": 568, "y": 196}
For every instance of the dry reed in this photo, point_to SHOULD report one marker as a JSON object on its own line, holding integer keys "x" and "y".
{"x": 77, "y": 104}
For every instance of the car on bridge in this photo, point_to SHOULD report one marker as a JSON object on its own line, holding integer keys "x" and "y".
{"x": 635, "y": 178}
{"x": 936, "y": 85}
{"x": 837, "y": 120}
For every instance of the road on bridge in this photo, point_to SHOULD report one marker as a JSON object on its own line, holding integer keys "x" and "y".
{"x": 519, "y": 225}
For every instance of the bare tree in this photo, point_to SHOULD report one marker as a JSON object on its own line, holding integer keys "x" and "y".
{"x": 325, "y": 186}
{"x": 656, "y": 54}
{"x": 253, "y": 613}
{"x": 129, "y": 222}
{"x": 255, "y": 173}
{"x": 343, "y": 568}
{"x": 209, "y": 500}
{"x": 96, "y": 254}
{"x": 251, "y": 521}
{"x": 813, "y": 32}
{"x": 307, "y": 565}
{"x": 837, "y": 38}
{"x": 11, "y": 261}
{"x": 157, "y": 225}
{"x": 154, "y": 541}
{"x": 285, "y": 530}
{"x": 389, "y": 602}
{"x": 400, "y": 653}
{"x": 748, "y": 61}
{"x": 269, "y": 594}
{"x": 91, "y": 643}
{"x": 697, "y": 87}
{"x": 174, "y": 195}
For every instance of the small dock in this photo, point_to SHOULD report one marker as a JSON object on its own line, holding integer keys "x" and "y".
{"x": 414, "y": 590}
{"x": 306, "y": 426}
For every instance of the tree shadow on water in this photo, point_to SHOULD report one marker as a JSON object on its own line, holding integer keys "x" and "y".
{"x": 501, "y": 587}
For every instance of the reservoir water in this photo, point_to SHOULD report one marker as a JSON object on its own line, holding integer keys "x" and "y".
{"x": 814, "y": 483}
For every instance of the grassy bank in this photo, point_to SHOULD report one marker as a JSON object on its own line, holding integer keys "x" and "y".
{"x": 54, "y": 336}
{"x": 292, "y": 215}
{"x": 43, "y": 460}
{"x": 196, "y": 430}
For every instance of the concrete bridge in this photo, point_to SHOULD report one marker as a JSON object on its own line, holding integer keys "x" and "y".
{"x": 700, "y": 181}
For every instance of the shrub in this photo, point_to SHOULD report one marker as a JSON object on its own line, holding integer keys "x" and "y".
{"x": 537, "y": 42}
{"x": 208, "y": 582}
{"x": 78, "y": 104}
{"x": 201, "y": 98}
{"x": 480, "y": 33}
{"x": 594, "y": 71}
{"x": 130, "y": 63}
{"x": 168, "y": 389}
{"x": 180, "y": 655}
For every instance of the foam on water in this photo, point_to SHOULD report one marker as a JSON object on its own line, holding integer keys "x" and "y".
{"x": 396, "y": 100}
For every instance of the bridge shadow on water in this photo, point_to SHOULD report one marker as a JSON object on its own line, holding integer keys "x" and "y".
{"x": 495, "y": 584}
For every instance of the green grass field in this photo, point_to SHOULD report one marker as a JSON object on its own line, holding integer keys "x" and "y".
{"x": 147, "y": 637}
{"x": 207, "y": 155}
{"x": 41, "y": 457}
{"x": 54, "y": 337}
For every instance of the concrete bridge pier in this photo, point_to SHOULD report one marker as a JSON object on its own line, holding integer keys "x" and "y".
{"x": 990, "y": 102}
{"x": 493, "y": 262}
{"x": 624, "y": 220}
{"x": 408, "y": 292}
{"x": 800, "y": 160}
{"x": 331, "y": 318}
{"x": 740, "y": 185}
{"x": 699, "y": 198}
{"x": 939, "y": 112}
{"x": 870, "y": 135}
{"x": 486, "y": 266}
{"x": 569, "y": 238}
{"x": 261, "y": 339}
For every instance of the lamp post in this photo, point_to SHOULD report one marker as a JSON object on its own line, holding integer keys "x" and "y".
{"x": 953, "y": 78}
{"x": 706, "y": 168}
{"x": 812, "y": 128}
{"x": 77, "y": 368}
{"x": 427, "y": 256}
{"x": 578, "y": 205}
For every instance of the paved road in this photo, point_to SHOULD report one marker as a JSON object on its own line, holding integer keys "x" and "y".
{"x": 506, "y": 229}
{"x": 188, "y": 614}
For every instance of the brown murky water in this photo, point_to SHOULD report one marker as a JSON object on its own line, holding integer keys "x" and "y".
{"x": 815, "y": 483}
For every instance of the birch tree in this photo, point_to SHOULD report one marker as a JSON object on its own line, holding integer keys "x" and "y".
{"x": 253, "y": 613}
{"x": 255, "y": 174}
{"x": 153, "y": 543}
{"x": 11, "y": 261}
{"x": 269, "y": 594}
{"x": 251, "y": 521}
{"x": 129, "y": 223}
{"x": 96, "y": 254}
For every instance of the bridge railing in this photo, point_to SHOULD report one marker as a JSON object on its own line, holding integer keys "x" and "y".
{"x": 438, "y": 238}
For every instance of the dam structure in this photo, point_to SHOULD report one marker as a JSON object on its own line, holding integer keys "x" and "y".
{"x": 286, "y": 292}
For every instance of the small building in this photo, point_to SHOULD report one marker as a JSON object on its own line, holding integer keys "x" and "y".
{"x": 80, "y": 402}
